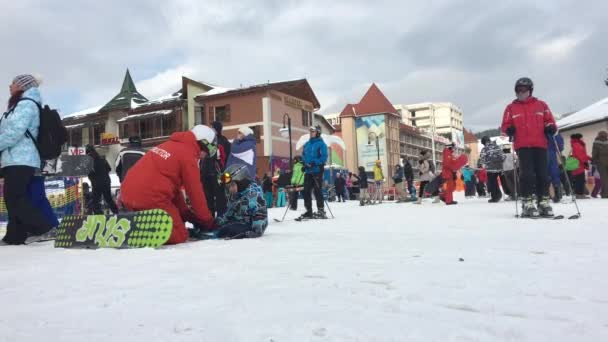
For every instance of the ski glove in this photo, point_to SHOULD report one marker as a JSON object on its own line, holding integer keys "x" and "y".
{"x": 511, "y": 131}
{"x": 550, "y": 130}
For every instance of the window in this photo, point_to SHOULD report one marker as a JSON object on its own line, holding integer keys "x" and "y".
{"x": 199, "y": 115}
{"x": 169, "y": 124}
{"x": 95, "y": 132}
{"x": 75, "y": 137}
{"x": 306, "y": 118}
{"x": 222, "y": 114}
{"x": 123, "y": 130}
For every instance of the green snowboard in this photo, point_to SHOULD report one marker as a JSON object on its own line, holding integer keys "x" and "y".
{"x": 149, "y": 228}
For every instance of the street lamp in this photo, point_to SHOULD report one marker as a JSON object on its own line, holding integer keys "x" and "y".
{"x": 286, "y": 133}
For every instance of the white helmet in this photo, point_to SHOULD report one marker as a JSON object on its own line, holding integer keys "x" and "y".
{"x": 207, "y": 138}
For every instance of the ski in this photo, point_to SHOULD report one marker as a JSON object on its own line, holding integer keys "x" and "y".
{"x": 555, "y": 217}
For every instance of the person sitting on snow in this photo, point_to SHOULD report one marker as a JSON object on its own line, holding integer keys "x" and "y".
{"x": 247, "y": 215}
{"x": 155, "y": 182}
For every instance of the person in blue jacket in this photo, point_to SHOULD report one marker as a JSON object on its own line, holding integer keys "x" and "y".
{"x": 314, "y": 158}
{"x": 553, "y": 165}
{"x": 243, "y": 150}
{"x": 20, "y": 161}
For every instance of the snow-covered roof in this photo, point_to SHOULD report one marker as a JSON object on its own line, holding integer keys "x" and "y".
{"x": 145, "y": 115}
{"x": 596, "y": 112}
{"x": 84, "y": 112}
{"x": 162, "y": 99}
{"x": 74, "y": 126}
{"x": 215, "y": 91}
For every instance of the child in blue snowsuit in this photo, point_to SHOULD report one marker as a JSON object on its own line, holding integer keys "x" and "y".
{"x": 553, "y": 165}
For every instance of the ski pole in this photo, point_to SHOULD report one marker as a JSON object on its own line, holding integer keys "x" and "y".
{"x": 515, "y": 178}
{"x": 572, "y": 194}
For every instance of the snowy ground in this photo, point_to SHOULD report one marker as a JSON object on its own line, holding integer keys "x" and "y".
{"x": 384, "y": 273}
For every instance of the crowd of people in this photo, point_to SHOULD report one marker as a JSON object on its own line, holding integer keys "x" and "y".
{"x": 198, "y": 176}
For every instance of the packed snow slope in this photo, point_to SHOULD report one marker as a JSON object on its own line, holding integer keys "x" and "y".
{"x": 391, "y": 272}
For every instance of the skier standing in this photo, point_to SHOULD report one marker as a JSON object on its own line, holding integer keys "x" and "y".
{"x": 448, "y": 173}
{"x": 508, "y": 178}
{"x": 526, "y": 120}
{"x": 425, "y": 174}
{"x": 491, "y": 158}
{"x": 399, "y": 184}
{"x": 363, "y": 186}
{"x": 579, "y": 151}
{"x": 243, "y": 150}
{"x": 100, "y": 182}
{"x": 553, "y": 166}
{"x": 468, "y": 176}
{"x": 314, "y": 157}
{"x": 378, "y": 182}
{"x": 599, "y": 155}
{"x": 297, "y": 181}
{"x": 408, "y": 175}
{"x": 21, "y": 161}
{"x": 340, "y": 185}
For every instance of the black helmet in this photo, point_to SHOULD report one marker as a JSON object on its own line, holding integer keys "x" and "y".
{"x": 315, "y": 129}
{"x": 485, "y": 140}
{"x": 524, "y": 82}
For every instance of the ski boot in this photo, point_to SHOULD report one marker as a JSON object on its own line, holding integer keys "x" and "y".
{"x": 306, "y": 216}
{"x": 320, "y": 214}
{"x": 544, "y": 208}
{"x": 528, "y": 209}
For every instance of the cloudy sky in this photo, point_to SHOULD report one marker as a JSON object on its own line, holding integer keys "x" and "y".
{"x": 466, "y": 52}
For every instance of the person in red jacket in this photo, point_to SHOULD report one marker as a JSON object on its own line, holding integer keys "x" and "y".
{"x": 156, "y": 181}
{"x": 526, "y": 120}
{"x": 450, "y": 164}
{"x": 579, "y": 151}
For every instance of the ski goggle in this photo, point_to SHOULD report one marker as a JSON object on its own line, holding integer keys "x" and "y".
{"x": 210, "y": 148}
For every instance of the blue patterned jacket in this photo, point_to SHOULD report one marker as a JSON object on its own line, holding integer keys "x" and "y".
{"x": 248, "y": 207}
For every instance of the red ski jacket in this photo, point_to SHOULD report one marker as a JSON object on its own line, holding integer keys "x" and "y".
{"x": 160, "y": 174}
{"x": 579, "y": 151}
{"x": 529, "y": 117}
{"x": 448, "y": 164}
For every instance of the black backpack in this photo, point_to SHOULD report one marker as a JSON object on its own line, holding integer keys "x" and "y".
{"x": 52, "y": 134}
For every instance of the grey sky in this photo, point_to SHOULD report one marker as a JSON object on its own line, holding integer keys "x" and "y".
{"x": 466, "y": 52}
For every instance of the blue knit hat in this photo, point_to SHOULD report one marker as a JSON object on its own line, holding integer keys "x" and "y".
{"x": 26, "y": 82}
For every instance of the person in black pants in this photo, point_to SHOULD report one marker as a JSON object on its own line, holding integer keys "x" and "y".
{"x": 20, "y": 160}
{"x": 100, "y": 181}
{"x": 314, "y": 157}
{"x": 340, "y": 184}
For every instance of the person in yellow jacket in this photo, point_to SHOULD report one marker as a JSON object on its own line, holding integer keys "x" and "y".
{"x": 379, "y": 182}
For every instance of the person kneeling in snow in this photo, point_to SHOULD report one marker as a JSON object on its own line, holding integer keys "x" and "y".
{"x": 155, "y": 182}
{"x": 246, "y": 216}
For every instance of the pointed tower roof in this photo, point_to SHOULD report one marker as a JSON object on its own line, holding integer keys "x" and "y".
{"x": 128, "y": 94}
{"x": 373, "y": 102}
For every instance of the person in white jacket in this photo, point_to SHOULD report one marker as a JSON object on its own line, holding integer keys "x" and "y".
{"x": 507, "y": 179}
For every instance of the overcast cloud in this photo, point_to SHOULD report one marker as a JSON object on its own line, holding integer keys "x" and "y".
{"x": 466, "y": 52}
